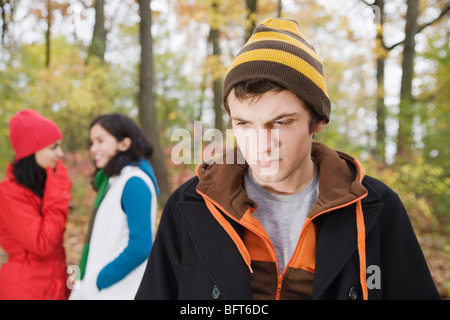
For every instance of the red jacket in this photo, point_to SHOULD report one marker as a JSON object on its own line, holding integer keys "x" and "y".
{"x": 31, "y": 232}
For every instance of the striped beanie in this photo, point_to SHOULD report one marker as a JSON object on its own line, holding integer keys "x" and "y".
{"x": 30, "y": 132}
{"x": 277, "y": 51}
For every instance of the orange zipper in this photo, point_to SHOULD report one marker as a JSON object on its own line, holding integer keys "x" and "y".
{"x": 280, "y": 282}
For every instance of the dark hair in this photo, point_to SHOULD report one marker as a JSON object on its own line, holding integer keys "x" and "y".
{"x": 29, "y": 174}
{"x": 251, "y": 89}
{"x": 121, "y": 127}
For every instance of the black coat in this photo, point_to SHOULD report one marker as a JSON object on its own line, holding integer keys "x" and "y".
{"x": 194, "y": 258}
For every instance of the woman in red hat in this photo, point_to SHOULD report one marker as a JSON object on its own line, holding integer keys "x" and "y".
{"x": 34, "y": 204}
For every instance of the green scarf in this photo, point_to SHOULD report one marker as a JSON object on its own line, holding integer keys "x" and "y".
{"x": 100, "y": 184}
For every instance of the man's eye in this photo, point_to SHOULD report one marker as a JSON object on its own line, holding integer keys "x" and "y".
{"x": 283, "y": 123}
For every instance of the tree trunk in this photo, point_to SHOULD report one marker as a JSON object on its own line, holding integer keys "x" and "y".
{"x": 251, "y": 17}
{"x": 47, "y": 34}
{"x": 213, "y": 39}
{"x": 98, "y": 44}
{"x": 280, "y": 8}
{"x": 406, "y": 114}
{"x": 405, "y": 117}
{"x": 380, "y": 106}
{"x": 4, "y": 21}
{"x": 147, "y": 114}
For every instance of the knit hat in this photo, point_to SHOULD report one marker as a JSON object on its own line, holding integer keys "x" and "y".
{"x": 278, "y": 52}
{"x": 30, "y": 132}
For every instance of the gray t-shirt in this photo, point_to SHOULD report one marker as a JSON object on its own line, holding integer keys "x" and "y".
{"x": 282, "y": 216}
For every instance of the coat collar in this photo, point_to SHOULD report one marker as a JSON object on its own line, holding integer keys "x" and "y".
{"x": 339, "y": 182}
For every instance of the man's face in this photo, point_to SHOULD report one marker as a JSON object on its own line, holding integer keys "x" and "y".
{"x": 272, "y": 132}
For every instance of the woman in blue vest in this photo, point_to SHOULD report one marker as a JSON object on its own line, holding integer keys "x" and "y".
{"x": 120, "y": 236}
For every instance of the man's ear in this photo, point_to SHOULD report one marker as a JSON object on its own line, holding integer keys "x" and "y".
{"x": 124, "y": 145}
{"x": 319, "y": 126}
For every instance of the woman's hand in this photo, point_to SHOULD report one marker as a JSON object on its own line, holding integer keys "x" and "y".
{"x": 57, "y": 186}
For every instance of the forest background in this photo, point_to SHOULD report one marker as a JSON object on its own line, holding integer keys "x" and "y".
{"x": 386, "y": 63}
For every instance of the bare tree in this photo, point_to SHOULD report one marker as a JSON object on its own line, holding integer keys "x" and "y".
{"x": 98, "y": 44}
{"x": 213, "y": 40}
{"x": 280, "y": 8}
{"x": 5, "y": 7}
{"x": 405, "y": 117}
{"x": 251, "y": 17}
{"x": 48, "y": 33}
{"x": 381, "y": 55}
{"x": 147, "y": 114}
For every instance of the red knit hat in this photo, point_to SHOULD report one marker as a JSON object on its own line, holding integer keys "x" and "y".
{"x": 30, "y": 132}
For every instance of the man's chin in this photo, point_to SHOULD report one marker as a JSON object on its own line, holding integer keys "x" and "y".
{"x": 268, "y": 174}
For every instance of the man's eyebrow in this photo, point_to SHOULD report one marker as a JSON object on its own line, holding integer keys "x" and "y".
{"x": 276, "y": 118}
{"x": 239, "y": 119}
{"x": 283, "y": 115}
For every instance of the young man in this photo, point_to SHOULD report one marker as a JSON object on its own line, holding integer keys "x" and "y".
{"x": 297, "y": 220}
